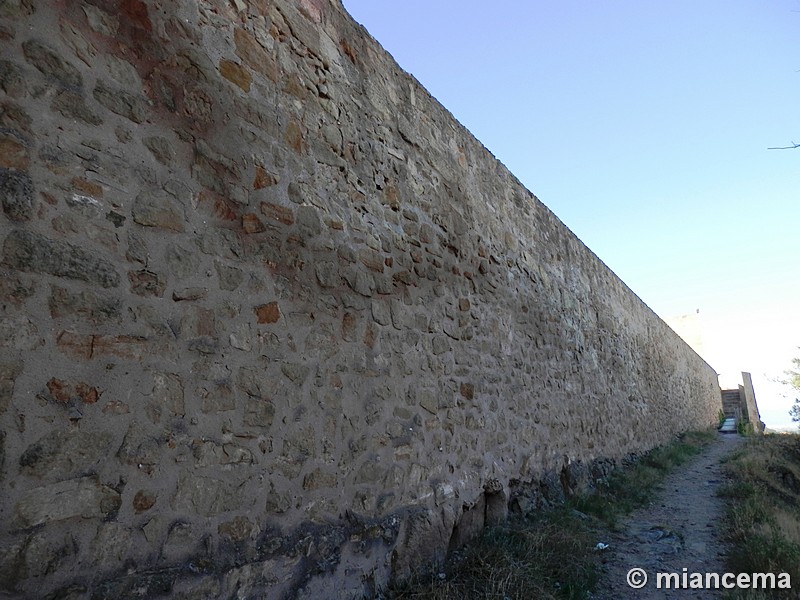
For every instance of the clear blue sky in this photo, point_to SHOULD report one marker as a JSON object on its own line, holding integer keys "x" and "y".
{"x": 644, "y": 126}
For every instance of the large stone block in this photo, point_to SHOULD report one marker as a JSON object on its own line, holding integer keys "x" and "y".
{"x": 423, "y": 540}
{"x": 168, "y": 393}
{"x": 12, "y": 81}
{"x": 111, "y": 545}
{"x": 85, "y": 497}
{"x": 46, "y": 553}
{"x": 88, "y": 305}
{"x": 65, "y": 454}
{"x": 182, "y": 261}
{"x": 19, "y": 333}
{"x": 120, "y": 101}
{"x": 255, "y": 55}
{"x": 208, "y": 453}
{"x": 205, "y": 496}
{"x": 158, "y": 209}
{"x": 14, "y": 152}
{"x": 51, "y": 64}
{"x": 140, "y": 447}
{"x": 29, "y": 251}
{"x": 16, "y": 194}
{"x": 73, "y": 106}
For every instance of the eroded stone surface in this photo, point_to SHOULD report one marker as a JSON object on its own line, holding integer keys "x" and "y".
{"x": 28, "y": 251}
{"x": 16, "y": 190}
{"x": 64, "y": 454}
{"x": 85, "y": 497}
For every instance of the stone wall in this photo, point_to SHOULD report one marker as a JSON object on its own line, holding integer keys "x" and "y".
{"x": 273, "y": 322}
{"x": 751, "y": 406}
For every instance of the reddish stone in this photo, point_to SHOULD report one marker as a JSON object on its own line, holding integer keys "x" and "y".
{"x": 136, "y": 11}
{"x": 87, "y": 187}
{"x": 263, "y": 179}
{"x": 268, "y": 313}
{"x": 86, "y": 393}
{"x": 293, "y": 136}
{"x": 252, "y": 224}
{"x": 13, "y": 117}
{"x": 463, "y": 304}
{"x": 13, "y": 155}
{"x": 224, "y": 209}
{"x": 77, "y": 344}
{"x": 468, "y": 391}
{"x": 348, "y": 51}
{"x": 282, "y": 214}
{"x": 235, "y": 73}
{"x": 64, "y": 391}
{"x": 143, "y": 501}
{"x": 59, "y": 390}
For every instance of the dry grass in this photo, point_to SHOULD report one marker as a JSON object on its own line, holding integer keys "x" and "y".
{"x": 763, "y": 519}
{"x": 627, "y": 489}
{"x": 548, "y": 555}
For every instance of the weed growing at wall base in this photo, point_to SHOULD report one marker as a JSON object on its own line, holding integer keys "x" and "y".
{"x": 631, "y": 487}
{"x": 542, "y": 555}
{"x": 763, "y": 518}
{"x": 550, "y": 554}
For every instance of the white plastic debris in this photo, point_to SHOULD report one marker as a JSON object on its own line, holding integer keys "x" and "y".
{"x": 601, "y": 546}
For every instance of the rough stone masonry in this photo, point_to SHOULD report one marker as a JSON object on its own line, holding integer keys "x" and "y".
{"x": 274, "y": 324}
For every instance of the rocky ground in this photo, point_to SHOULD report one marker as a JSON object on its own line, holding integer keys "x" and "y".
{"x": 681, "y": 528}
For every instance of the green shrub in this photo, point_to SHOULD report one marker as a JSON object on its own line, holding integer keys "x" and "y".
{"x": 763, "y": 518}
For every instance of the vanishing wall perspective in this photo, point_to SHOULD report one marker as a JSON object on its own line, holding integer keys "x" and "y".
{"x": 273, "y": 322}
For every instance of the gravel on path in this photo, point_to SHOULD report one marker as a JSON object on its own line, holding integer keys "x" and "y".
{"x": 679, "y": 531}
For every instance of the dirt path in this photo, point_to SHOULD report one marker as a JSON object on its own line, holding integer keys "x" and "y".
{"x": 679, "y": 529}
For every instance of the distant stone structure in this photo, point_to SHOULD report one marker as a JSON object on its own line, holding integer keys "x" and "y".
{"x": 274, "y": 324}
{"x": 690, "y": 328}
{"x": 740, "y": 404}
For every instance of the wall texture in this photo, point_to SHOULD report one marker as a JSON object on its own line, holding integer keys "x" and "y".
{"x": 273, "y": 323}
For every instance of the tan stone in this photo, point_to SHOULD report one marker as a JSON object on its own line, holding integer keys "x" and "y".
{"x": 254, "y": 55}
{"x": 235, "y": 73}
{"x": 13, "y": 155}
